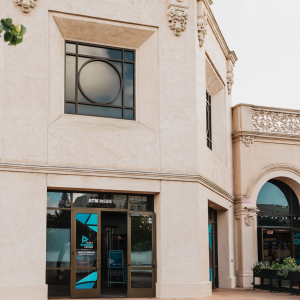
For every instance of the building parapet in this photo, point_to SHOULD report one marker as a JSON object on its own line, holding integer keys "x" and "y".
{"x": 265, "y": 124}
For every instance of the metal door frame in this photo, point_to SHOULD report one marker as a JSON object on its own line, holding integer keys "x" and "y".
{"x": 94, "y": 293}
{"x": 138, "y": 293}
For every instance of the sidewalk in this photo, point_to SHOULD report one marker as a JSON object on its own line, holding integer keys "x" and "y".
{"x": 231, "y": 294}
{"x": 249, "y": 294}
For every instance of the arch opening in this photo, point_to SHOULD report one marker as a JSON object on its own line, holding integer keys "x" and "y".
{"x": 278, "y": 221}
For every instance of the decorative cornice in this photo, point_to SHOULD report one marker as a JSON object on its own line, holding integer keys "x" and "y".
{"x": 270, "y": 121}
{"x": 248, "y": 140}
{"x": 177, "y": 19}
{"x": 267, "y": 137}
{"x": 26, "y": 4}
{"x": 230, "y": 55}
{"x": 105, "y": 172}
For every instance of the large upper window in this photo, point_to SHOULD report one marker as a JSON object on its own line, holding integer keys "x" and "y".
{"x": 99, "y": 81}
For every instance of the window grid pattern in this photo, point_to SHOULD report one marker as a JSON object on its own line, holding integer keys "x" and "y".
{"x": 76, "y": 102}
{"x": 208, "y": 121}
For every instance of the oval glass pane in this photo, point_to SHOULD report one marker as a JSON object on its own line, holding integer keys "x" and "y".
{"x": 100, "y": 81}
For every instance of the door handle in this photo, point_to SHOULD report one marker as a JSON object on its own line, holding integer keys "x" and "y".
{"x": 153, "y": 264}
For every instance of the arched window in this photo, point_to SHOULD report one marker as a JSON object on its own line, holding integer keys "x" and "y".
{"x": 278, "y": 205}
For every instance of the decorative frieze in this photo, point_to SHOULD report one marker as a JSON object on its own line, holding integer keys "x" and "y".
{"x": 26, "y": 4}
{"x": 177, "y": 19}
{"x": 270, "y": 121}
{"x": 248, "y": 140}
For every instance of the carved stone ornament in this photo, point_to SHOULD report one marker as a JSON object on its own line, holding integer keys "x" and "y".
{"x": 230, "y": 81}
{"x": 202, "y": 28}
{"x": 249, "y": 219}
{"x": 177, "y": 19}
{"x": 248, "y": 140}
{"x": 269, "y": 121}
{"x": 250, "y": 216}
{"x": 26, "y": 4}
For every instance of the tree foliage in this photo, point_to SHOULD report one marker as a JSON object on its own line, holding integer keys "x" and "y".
{"x": 13, "y": 33}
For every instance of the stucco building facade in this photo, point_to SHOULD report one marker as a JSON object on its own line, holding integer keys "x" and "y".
{"x": 124, "y": 169}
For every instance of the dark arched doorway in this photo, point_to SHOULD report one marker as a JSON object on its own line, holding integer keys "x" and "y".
{"x": 278, "y": 229}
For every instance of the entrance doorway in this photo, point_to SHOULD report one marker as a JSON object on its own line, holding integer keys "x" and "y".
{"x": 213, "y": 248}
{"x": 111, "y": 250}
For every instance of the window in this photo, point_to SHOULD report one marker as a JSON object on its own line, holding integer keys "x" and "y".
{"x": 99, "y": 81}
{"x": 278, "y": 205}
{"x": 208, "y": 121}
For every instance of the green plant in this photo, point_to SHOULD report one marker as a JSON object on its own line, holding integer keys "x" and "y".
{"x": 276, "y": 266}
{"x": 289, "y": 265}
{"x": 258, "y": 266}
{"x": 13, "y": 33}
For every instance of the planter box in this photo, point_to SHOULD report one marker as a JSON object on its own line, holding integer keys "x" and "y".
{"x": 293, "y": 277}
{"x": 263, "y": 274}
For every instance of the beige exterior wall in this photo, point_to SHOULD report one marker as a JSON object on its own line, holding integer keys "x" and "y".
{"x": 162, "y": 152}
{"x": 272, "y": 153}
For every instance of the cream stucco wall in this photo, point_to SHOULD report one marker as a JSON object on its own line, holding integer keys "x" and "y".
{"x": 271, "y": 155}
{"x": 162, "y": 152}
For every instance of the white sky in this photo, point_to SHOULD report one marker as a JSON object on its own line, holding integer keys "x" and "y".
{"x": 265, "y": 34}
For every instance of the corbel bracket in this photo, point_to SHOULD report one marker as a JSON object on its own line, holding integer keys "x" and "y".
{"x": 252, "y": 212}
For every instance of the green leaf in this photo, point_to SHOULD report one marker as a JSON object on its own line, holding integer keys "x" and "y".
{"x": 8, "y": 21}
{"x": 8, "y": 36}
{"x": 19, "y": 40}
{"x": 4, "y": 25}
{"x": 14, "y": 30}
{"x": 13, "y": 41}
{"x": 22, "y": 31}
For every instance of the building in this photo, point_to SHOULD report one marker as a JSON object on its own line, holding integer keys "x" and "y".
{"x": 124, "y": 169}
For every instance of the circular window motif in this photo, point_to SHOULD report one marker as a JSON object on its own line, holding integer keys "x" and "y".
{"x": 99, "y": 81}
{"x": 297, "y": 241}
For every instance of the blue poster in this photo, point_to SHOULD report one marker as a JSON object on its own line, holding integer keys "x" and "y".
{"x": 116, "y": 259}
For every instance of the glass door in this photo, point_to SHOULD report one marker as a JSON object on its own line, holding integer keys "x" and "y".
{"x": 86, "y": 254}
{"x": 141, "y": 255}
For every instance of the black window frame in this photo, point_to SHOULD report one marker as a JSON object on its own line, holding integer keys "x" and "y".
{"x": 208, "y": 121}
{"x": 123, "y": 61}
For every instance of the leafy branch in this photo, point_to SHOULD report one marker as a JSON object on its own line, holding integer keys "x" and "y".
{"x": 13, "y": 33}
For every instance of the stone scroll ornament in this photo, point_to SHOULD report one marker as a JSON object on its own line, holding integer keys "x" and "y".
{"x": 270, "y": 121}
{"x": 26, "y": 4}
{"x": 230, "y": 82}
{"x": 202, "y": 28}
{"x": 177, "y": 19}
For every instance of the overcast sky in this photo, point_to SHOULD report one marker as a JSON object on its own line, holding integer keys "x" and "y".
{"x": 265, "y": 34}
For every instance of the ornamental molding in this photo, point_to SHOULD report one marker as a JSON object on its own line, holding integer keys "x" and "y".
{"x": 276, "y": 122}
{"x": 177, "y": 19}
{"x": 26, "y": 4}
{"x": 117, "y": 173}
{"x": 202, "y": 27}
{"x": 265, "y": 174}
{"x": 248, "y": 140}
{"x": 248, "y": 213}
